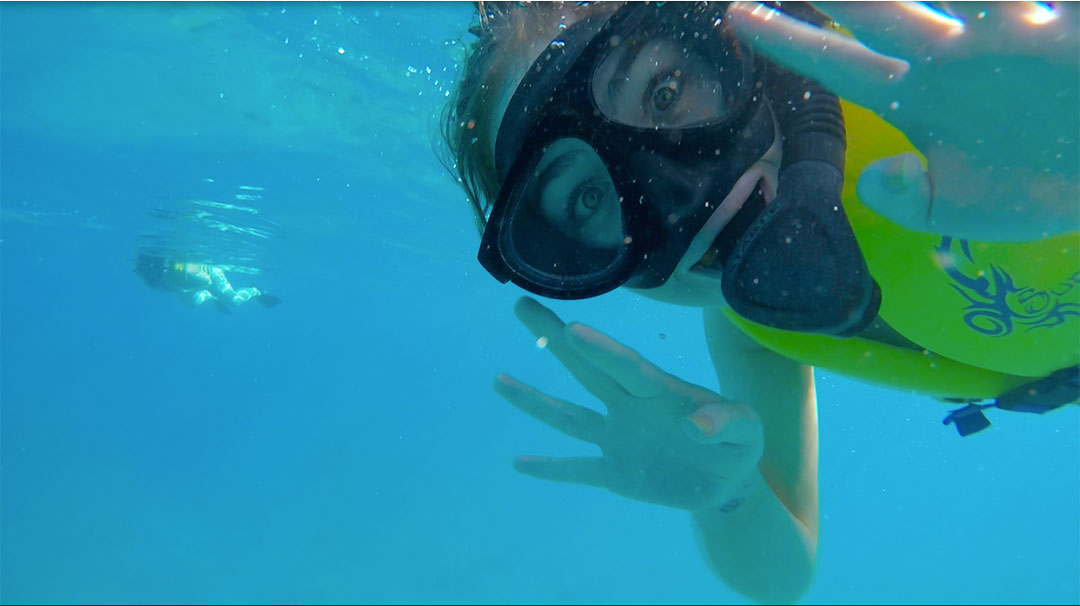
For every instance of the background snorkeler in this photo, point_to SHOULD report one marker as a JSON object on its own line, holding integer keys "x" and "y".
{"x": 197, "y": 283}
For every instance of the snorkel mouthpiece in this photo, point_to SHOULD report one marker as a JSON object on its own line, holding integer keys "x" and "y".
{"x": 794, "y": 268}
{"x": 798, "y": 266}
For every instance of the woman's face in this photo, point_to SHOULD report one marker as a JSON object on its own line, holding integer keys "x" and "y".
{"x": 655, "y": 83}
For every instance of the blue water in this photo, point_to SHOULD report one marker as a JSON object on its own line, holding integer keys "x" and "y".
{"x": 346, "y": 446}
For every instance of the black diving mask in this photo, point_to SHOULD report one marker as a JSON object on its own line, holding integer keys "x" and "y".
{"x": 620, "y": 143}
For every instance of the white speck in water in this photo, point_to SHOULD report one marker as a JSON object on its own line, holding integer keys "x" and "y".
{"x": 541, "y": 342}
{"x": 340, "y": 50}
{"x": 894, "y": 105}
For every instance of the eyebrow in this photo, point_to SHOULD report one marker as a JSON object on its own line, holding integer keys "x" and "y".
{"x": 622, "y": 71}
{"x": 558, "y": 167}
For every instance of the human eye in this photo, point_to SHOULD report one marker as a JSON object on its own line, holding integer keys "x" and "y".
{"x": 583, "y": 203}
{"x": 576, "y": 196}
{"x": 663, "y": 93}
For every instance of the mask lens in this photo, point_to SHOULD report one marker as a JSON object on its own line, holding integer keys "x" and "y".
{"x": 566, "y": 224}
{"x": 670, "y": 77}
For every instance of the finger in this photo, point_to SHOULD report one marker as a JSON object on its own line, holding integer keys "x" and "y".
{"x": 901, "y": 29}
{"x": 840, "y": 64}
{"x": 1062, "y": 17}
{"x": 633, "y": 373}
{"x": 590, "y": 471}
{"x": 573, "y": 420}
{"x": 1025, "y": 15}
{"x": 1039, "y": 26}
{"x": 729, "y": 422}
{"x": 550, "y": 333}
{"x": 898, "y": 189}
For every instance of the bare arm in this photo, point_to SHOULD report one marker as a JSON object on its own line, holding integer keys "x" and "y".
{"x": 674, "y": 443}
{"x": 765, "y": 546}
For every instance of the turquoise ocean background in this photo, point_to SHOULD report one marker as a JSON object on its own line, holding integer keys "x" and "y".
{"x": 346, "y": 446}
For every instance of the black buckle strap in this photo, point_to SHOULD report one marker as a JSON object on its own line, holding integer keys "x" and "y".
{"x": 969, "y": 419}
{"x": 1038, "y": 397}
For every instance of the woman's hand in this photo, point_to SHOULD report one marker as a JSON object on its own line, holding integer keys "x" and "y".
{"x": 988, "y": 94}
{"x": 664, "y": 440}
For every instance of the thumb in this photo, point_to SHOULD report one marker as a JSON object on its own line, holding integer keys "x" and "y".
{"x": 898, "y": 189}
{"x": 730, "y": 422}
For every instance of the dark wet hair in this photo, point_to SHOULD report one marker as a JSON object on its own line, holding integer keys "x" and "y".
{"x": 468, "y": 127}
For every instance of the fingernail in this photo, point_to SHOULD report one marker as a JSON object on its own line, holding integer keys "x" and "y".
{"x": 900, "y": 173}
{"x": 705, "y": 423}
{"x": 581, "y": 331}
{"x": 757, "y": 9}
{"x": 735, "y": 7}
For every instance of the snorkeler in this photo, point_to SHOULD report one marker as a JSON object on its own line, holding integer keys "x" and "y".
{"x": 197, "y": 283}
{"x": 655, "y": 147}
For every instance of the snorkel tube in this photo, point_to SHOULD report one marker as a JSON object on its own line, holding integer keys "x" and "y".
{"x": 798, "y": 266}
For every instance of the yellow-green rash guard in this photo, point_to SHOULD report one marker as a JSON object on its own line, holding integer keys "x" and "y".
{"x": 985, "y": 317}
